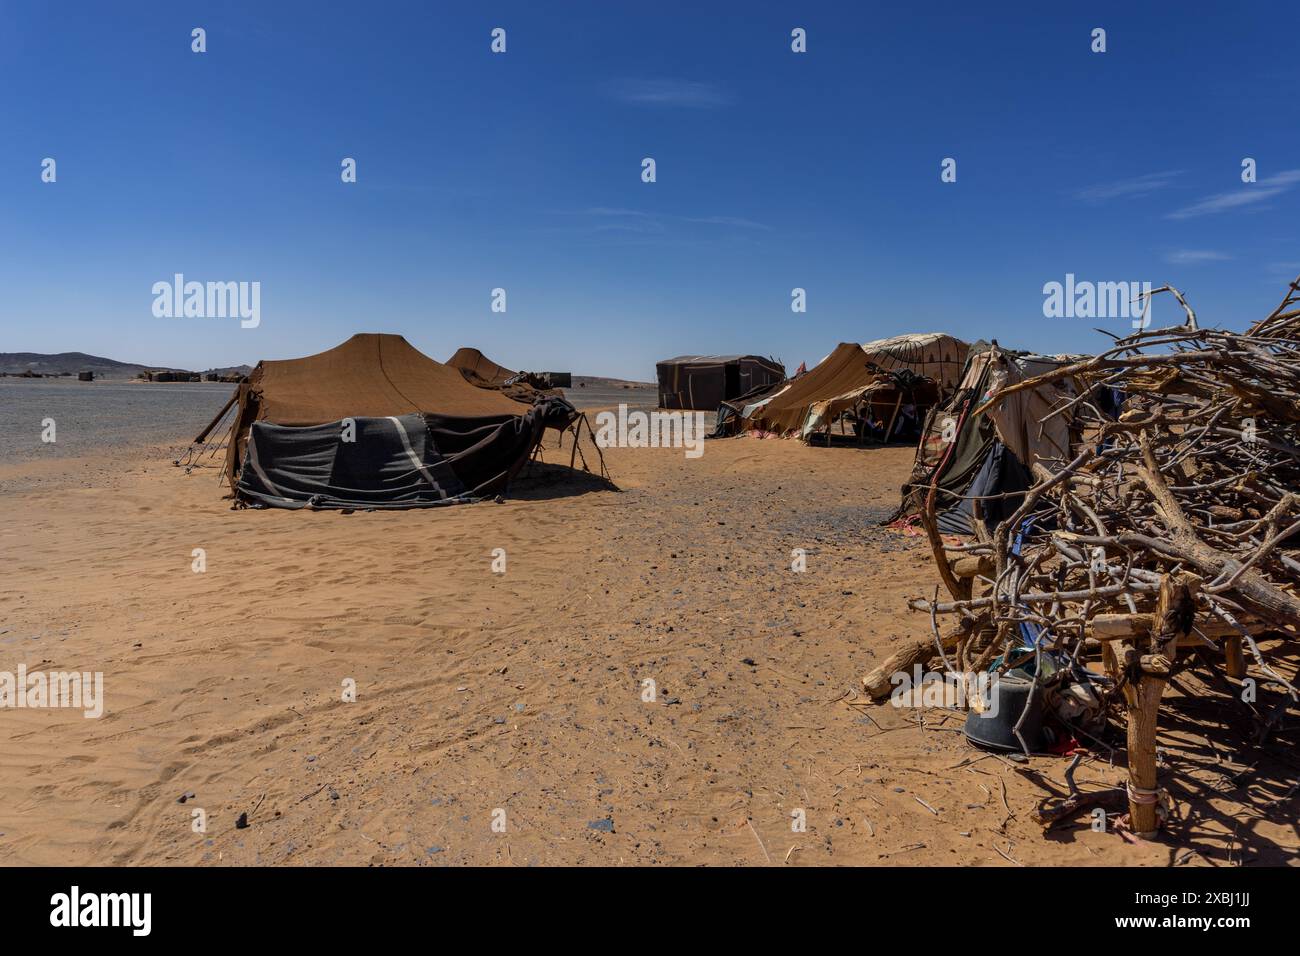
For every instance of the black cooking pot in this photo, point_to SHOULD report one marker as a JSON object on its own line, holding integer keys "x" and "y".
{"x": 995, "y": 727}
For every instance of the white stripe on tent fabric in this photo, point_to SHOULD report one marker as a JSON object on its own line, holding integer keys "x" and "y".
{"x": 410, "y": 453}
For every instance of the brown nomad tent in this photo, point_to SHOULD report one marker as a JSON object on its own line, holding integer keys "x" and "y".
{"x": 854, "y": 374}
{"x": 376, "y": 423}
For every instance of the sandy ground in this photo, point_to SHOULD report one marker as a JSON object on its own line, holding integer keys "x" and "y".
{"x": 515, "y": 699}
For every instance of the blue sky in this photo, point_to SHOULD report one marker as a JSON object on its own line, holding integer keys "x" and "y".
{"x": 775, "y": 170}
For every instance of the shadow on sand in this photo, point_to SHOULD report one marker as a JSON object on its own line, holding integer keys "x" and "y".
{"x": 542, "y": 481}
{"x": 1234, "y": 797}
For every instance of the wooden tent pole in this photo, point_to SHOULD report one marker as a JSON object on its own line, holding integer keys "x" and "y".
{"x": 892, "y": 418}
{"x": 221, "y": 414}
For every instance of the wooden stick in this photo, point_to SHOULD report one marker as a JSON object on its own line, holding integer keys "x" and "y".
{"x": 1118, "y": 627}
{"x": 877, "y": 681}
{"x": 970, "y": 565}
{"x": 1234, "y": 661}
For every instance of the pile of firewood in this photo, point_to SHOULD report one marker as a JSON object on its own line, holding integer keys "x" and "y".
{"x": 1166, "y": 538}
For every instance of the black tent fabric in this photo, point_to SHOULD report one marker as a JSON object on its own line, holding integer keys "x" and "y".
{"x": 406, "y": 461}
{"x": 951, "y": 453}
{"x": 704, "y": 381}
{"x": 1002, "y": 482}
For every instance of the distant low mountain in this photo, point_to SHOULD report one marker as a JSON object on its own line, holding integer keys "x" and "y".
{"x": 70, "y": 363}
{"x": 229, "y": 370}
{"x": 66, "y": 362}
{"x": 596, "y": 381}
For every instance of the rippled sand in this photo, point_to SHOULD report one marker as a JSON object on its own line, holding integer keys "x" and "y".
{"x": 484, "y": 697}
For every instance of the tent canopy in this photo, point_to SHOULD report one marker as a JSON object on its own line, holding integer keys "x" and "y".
{"x": 482, "y": 372}
{"x": 710, "y": 359}
{"x": 370, "y": 375}
{"x": 851, "y": 370}
{"x": 478, "y": 368}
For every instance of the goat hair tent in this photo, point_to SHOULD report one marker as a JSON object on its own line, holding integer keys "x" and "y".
{"x": 705, "y": 381}
{"x": 375, "y": 423}
{"x": 851, "y": 373}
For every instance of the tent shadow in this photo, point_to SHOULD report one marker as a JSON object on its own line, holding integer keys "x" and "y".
{"x": 543, "y": 481}
{"x": 822, "y": 440}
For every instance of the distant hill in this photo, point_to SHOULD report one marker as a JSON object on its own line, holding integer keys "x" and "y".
{"x": 596, "y": 381}
{"x": 70, "y": 363}
{"x": 227, "y": 370}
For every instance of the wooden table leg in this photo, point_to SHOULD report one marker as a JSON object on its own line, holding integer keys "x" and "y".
{"x": 1148, "y": 673}
{"x": 1143, "y": 710}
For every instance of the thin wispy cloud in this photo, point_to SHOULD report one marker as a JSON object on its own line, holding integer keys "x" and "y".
{"x": 1129, "y": 188}
{"x": 1183, "y": 257}
{"x": 1247, "y": 195}
{"x": 605, "y": 219}
{"x": 727, "y": 221}
{"x": 668, "y": 92}
{"x": 614, "y": 211}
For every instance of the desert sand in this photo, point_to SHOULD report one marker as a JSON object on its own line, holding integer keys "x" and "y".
{"x": 521, "y": 692}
